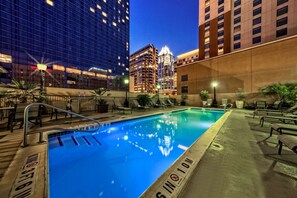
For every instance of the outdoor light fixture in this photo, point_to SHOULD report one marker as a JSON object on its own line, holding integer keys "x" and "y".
{"x": 41, "y": 67}
{"x": 126, "y": 103}
{"x": 214, "y": 103}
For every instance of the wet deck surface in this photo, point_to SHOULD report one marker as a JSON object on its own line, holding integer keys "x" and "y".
{"x": 241, "y": 162}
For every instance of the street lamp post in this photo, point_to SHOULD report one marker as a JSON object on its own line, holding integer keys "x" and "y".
{"x": 214, "y": 103}
{"x": 158, "y": 88}
{"x": 42, "y": 69}
{"x": 126, "y": 103}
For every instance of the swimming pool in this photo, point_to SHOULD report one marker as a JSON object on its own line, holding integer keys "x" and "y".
{"x": 125, "y": 158}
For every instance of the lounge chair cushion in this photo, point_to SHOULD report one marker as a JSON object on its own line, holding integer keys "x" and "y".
{"x": 289, "y": 140}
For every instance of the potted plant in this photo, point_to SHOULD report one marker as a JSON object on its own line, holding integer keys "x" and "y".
{"x": 204, "y": 96}
{"x": 101, "y": 104}
{"x": 184, "y": 97}
{"x": 240, "y": 96}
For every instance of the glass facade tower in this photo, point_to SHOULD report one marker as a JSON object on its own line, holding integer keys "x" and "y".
{"x": 77, "y": 35}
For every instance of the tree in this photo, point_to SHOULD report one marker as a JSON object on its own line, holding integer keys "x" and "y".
{"x": 286, "y": 92}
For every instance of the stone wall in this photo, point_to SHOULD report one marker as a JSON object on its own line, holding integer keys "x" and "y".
{"x": 248, "y": 69}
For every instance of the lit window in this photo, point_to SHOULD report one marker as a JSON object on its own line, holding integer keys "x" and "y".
{"x": 50, "y": 2}
{"x": 207, "y": 40}
{"x": 92, "y": 10}
{"x": 119, "y": 1}
{"x": 123, "y": 74}
{"x": 119, "y": 64}
{"x": 5, "y": 58}
{"x": 123, "y": 20}
{"x": 98, "y": 6}
{"x": 119, "y": 57}
{"x": 104, "y": 1}
{"x": 221, "y": 50}
{"x": 104, "y": 21}
{"x": 207, "y": 2}
{"x": 127, "y": 17}
{"x": 114, "y": 24}
{"x": 127, "y": 69}
{"x": 104, "y": 14}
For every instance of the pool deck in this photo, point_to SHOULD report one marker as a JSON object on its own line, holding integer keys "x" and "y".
{"x": 238, "y": 163}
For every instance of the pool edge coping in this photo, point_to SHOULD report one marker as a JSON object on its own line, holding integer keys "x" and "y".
{"x": 195, "y": 151}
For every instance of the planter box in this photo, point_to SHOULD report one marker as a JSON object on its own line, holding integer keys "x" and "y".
{"x": 239, "y": 104}
{"x": 102, "y": 108}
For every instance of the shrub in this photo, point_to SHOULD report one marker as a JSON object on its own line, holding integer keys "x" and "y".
{"x": 203, "y": 95}
{"x": 143, "y": 99}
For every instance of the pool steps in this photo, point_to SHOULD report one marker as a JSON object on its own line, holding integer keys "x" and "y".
{"x": 73, "y": 141}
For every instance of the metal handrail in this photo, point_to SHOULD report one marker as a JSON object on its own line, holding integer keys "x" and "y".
{"x": 26, "y": 116}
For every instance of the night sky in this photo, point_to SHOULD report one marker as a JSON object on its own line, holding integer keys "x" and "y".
{"x": 164, "y": 22}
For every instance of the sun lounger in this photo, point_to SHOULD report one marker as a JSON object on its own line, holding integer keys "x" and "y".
{"x": 260, "y": 104}
{"x": 261, "y": 112}
{"x": 288, "y": 140}
{"x": 117, "y": 106}
{"x": 283, "y": 119}
{"x": 280, "y": 127}
{"x": 137, "y": 105}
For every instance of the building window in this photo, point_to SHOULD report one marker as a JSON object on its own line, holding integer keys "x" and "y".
{"x": 236, "y": 37}
{"x": 236, "y": 45}
{"x": 207, "y": 17}
{"x": 184, "y": 77}
{"x": 207, "y": 24}
{"x": 237, "y": 28}
{"x": 238, "y": 11}
{"x": 206, "y": 54}
{"x": 282, "y": 11}
{"x": 237, "y": 3}
{"x": 257, "y": 30}
{"x": 257, "y": 21}
{"x": 281, "y": 32}
{"x": 184, "y": 89}
{"x": 221, "y": 9}
{"x": 220, "y": 41}
{"x": 221, "y": 33}
{"x": 257, "y": 40}
{"x": 221, "y": 17}
{"x": 280, "y": 2}
{"x": 282, "y": 21}
{"x": 257, "y": 11}
{"x": 206, "y": 46}
{"x": 257, "y": 2}
{"x": 237, "y": 20}
{"x": 221, "y": 25}
{"x": 207, "y": 9}
{"x": 207, "y": 2}
{"x": 220, "y": 2}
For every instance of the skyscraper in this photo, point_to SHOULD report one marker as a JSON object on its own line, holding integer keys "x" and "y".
{"x": 143, "y": 70}
{"x": 229, "y": 25}
{"x": 166, "y": 71}
{"x": 79, "y": 35}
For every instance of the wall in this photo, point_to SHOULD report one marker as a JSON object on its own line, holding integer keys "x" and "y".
{"x": 248, "y": 69}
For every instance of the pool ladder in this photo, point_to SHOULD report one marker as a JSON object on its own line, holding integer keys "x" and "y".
{"x": 84, "y": 129}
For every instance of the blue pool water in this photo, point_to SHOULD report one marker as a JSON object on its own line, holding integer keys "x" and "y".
{"x": 125, "y": 158}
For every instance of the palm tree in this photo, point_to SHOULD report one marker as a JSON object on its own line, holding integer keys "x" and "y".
{"x": 21, "y": 90}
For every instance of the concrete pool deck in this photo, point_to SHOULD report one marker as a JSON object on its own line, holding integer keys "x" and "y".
{"x": 236, "y": 164}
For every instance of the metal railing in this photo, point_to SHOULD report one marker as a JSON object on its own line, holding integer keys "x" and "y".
{"x": 26, "y": 119}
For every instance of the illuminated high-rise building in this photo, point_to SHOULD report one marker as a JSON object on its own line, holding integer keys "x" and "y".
{"x": 230, "y": 25}
{"x": 78, "y": 35}
{"x": 143, "y": 70}
{"x": 166, "y": 71}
